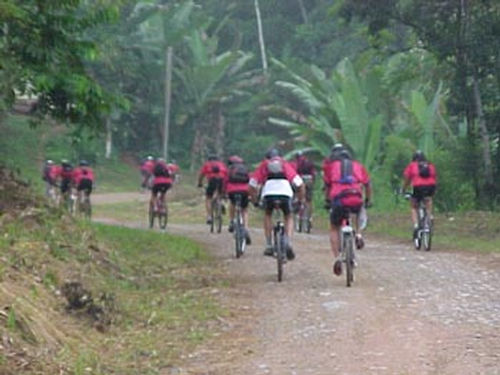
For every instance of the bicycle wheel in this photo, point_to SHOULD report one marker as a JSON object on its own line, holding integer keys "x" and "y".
{"x": 86, "y": 209}
{"x": 280, "y": 253}
{"x": 306, "y": 220}
{"x": 427, "y": 234}
{"x": 349, "y": 260}
{"x": 151, "y": 216}
{"x": 218, "y": 216}
{"x": 212, "y": 216}
{"x": 162, "y": 219}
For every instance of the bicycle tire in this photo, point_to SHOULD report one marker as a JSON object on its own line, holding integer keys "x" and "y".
{"x": 151, "y": 216}
{"x": 308, "y": 224}
{"x": 219, "y": 216}
{"x": 238, "y": 241}
{"x": 86, "y": 209}
{"x": 280, "y": 253}
{"x": 427, "y": 234}
{"x": 349, "y": 260}
{"x": 212, "y": 224}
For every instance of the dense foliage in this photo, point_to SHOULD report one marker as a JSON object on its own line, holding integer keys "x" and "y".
{"x": 384, "y": 76}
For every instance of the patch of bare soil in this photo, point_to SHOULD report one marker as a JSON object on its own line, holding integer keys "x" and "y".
{"x": 409, "y": 312}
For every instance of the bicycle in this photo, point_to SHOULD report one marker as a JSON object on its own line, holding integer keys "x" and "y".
{"x": 240, "y": 234}
{"x": 279, "y": 249}
{"x": 302, "y": 218}
{"x": 423, "y": 235}
{"x": 85, "y": 207}
{"x": 347, "y": 245}
{"x": 69, "y": 201}
{"x": 159, "y": 209}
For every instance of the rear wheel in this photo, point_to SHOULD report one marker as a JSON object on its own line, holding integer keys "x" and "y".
{"x": 349, "y": 261}
{"x": 427, "y": 234}
{"x": 163, "y": 218}
{"x": 212, "y": 216}
{"x": 280, "y": 254}
{"x": 151, "y": 216}
{"x": 218, "y": 216}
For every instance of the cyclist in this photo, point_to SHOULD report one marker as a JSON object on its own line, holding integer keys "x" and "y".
{"x": 276, "y": 177}
{"x": 65, "y": 174}
{"x": 147, "y": 171}
{"x": 162, "y": 181}
{"x": 344, "y": 179}
{"x": 174, "y": 170}
{"x": 83, "y": 180}
{"x": 421, "y": 175}
{"x": 306, "y": 170}
{"x": 49, "y": 175}
{"x": 215, "y": 171}
{"x": 236, "y": 182}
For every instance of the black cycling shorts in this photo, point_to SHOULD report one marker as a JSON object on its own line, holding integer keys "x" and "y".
{"x": 284, "y": 203}
{"x": 339, "y": 212}
{"x": 65, "y": 185}
{"x": 85, "y": 185}
{"x": 161, "y": 188}
{"x": 421, "y": 192}
{"x": 243, "y": 198}
{"x": 215, "y": 183}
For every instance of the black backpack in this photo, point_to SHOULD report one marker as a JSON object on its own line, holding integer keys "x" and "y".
{"x": 238, "y": 173}
{"x": 424, "y": 169}
{"x": 215, "y": 168}
{"x": 161, "y": 170}
{"x": 305, "y": 167}
{"x": 347, "y": 176}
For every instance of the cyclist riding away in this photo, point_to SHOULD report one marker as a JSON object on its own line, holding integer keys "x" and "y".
{"x": 215, "y": 171}
{"x": 344, "y": 179}
{"x": 147, "y": 171}
{"x": 83, "y": 180}
{"x": 306, "y": 170}
{"x": 277, "y": 176}
{"x": 236, "y": 183}
{"x": 162, "y": 181}
{"x": 421, "y": 175}
{"x": 65, "y": 174}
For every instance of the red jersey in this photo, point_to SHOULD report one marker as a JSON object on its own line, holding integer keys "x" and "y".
{"x": 303, "y": 166}
{"x": 82, "y": 173}
{"x": 174, "y": 168}
{"x": 261, "y": 174}
{"x": 411, "y": 173}
{"x": 55, "y": 172}
{"x": 148, "y": 166}
{"x": 162, "y": 178}
{"x": 214, "y": 169}
{"x": 332, "y": 176}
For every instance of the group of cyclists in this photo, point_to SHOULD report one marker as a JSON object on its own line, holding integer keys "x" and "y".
{"x": 347, "y": 188}
{"x": 346, "y": 184}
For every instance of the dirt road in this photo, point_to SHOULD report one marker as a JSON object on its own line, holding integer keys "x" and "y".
{"x": 408, "y": 312}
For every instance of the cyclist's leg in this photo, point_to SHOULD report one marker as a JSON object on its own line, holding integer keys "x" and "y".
{"x": 209, "y": 194}
{"x": 154, "y": 192}
{"x": 232, "y": 209}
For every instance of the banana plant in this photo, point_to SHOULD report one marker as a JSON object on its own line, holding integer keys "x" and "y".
{"x": 338, "y": 111}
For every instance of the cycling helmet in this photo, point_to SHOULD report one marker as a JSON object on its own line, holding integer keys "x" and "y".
{"x": 418, "y": 156}
{"x": 299, "y": 153}
{"x": 150, "y": 157}
{"x": 272, "y": 153}
{"x": 84, "y": 163}
{"x": 234, "y": 159}
{"x": 65, "y": 162}
{"x": 213, "y": 157}
{"x": 49, "y": 162}
{"x": 337, "y": 151}
{"x": 345, "y": 154}
{"x": 160, "y": 160}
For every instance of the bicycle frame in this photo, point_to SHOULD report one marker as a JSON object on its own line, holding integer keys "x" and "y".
{"x": 424, "y": 232}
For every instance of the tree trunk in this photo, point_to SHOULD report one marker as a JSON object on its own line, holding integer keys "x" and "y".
{"x": 303, "y": 11}
{"x": 220, "y": 124}
{"x": 168, "y": 80}
{"x": 109, "y": 139}
{"x": 485, "y": 137}
{"x": 261, "y": 37}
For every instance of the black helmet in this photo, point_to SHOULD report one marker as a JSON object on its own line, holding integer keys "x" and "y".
{"x": 272, "y": 153}
{"x": 338, "y": 151}
{"x": 345, "y": 154}
{"x": 65, "y": 162}
{"x": 84, "y": 163}
{"x": 213, "y": 157}
{"x": 299, "y": 153}
{"x": 418, "y": 156}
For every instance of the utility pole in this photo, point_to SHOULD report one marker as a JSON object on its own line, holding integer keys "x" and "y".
{"x": 168, "y": 95}
{"x": 261, "y": 37}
